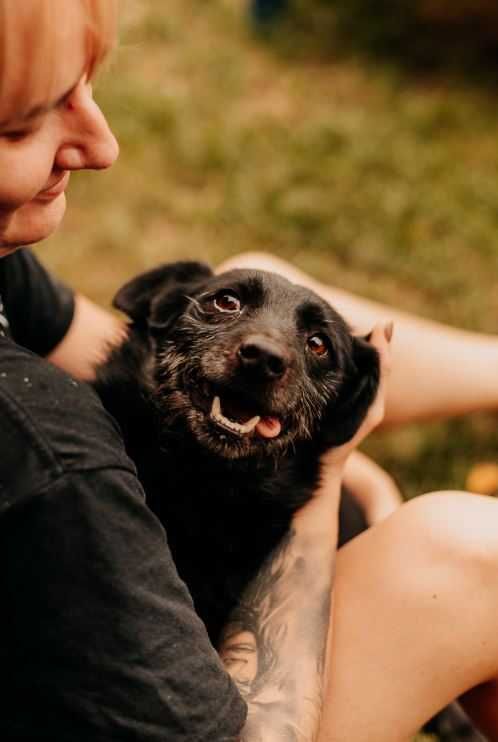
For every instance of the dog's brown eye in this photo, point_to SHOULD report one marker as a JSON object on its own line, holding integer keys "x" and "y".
{"x": 227, "y": 301}
{"x": 318, "y": 345}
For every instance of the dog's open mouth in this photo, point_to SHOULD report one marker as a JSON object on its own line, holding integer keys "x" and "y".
{"x": 229, "y": 412}
{"x": 236, "y": 421}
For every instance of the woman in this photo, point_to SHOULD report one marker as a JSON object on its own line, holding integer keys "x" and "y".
{"x": 99, "y": 637}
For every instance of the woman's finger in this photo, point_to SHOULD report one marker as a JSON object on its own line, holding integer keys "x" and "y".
{"x": 380, "y": 338}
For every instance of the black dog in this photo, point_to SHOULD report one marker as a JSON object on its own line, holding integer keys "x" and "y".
{"x": 228, "y": 390}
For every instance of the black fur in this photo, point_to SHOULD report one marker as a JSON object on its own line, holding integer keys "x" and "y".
{"x": 226, "y": 501}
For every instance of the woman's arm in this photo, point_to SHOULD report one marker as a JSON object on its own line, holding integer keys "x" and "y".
{"x": 86, "y": 345}
{"x": 373, "y": 488}
{"x": 274, "y": 646}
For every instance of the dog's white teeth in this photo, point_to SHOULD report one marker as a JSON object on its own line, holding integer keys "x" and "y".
{"x": 238, "y": 428}
{"x": 249, "y": 426}
{"x": 216, "y": 407}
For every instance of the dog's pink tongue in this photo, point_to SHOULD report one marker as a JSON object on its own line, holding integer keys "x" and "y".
{"x": 269, "y": 427}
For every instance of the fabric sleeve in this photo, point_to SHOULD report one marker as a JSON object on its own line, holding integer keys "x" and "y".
{"x": 39, "y": 308}
{"x": 100, "y": 639}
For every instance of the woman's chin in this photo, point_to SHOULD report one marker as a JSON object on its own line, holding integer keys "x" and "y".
{"x": 31, "y": 223}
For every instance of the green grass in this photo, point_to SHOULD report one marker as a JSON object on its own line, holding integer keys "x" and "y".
{"x": 376, "y": 180}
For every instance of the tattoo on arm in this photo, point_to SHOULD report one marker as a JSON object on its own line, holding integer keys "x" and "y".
{"x": 274, "y": 645}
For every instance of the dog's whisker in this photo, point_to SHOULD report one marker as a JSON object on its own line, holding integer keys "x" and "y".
{"x": 195, "y": 302}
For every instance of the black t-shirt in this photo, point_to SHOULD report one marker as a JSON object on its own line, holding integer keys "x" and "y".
{"x": 98, "y": 637}
{"x": 35, "y": 308}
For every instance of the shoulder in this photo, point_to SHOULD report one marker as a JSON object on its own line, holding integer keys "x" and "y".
{"x": 37, "y": 306}
{"x": 51, "y": 424}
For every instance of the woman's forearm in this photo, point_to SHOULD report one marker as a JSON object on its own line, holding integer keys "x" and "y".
{"x": 274, "y": 645}
{"x": 93, "y": 333}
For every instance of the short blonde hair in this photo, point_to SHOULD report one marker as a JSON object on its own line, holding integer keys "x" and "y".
{"x": 29, "y": 30}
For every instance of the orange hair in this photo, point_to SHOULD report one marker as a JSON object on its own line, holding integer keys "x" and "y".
{"x": 29, "y": 30}
{"x": 101, "y": 35}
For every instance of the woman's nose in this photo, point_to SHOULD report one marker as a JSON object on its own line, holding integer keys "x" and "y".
{"x": 87, "y": 141}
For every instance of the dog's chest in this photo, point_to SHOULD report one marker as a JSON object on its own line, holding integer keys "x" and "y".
{"x": 221, "y": 520}
{"x": 221, "y": 525}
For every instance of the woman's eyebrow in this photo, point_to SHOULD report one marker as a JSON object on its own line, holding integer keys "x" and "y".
{"x": 39, "y": 110}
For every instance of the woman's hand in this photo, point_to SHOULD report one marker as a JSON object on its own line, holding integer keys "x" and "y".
{"x": 319, "y": 515}
{"x": 336, "y": 458}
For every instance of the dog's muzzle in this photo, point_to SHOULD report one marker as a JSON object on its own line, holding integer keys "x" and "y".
{"x": 260, "y": 363}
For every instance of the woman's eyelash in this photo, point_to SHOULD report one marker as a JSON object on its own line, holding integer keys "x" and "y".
{"x": 16, "y": 136}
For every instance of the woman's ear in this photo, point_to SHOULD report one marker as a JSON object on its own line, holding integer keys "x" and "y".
{"x": 139, "y": 297}
{"x": 347, "y": 412}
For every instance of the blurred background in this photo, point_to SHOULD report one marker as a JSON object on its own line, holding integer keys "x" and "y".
{"x": 356, "y": 138}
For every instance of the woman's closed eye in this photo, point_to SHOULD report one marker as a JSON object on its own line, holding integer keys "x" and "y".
{"x": 17, "y": 135}
{"x": 20, "y": 131}
{"x": 23, "y": 131}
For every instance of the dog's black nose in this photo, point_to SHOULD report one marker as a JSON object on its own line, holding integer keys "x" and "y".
{"x": 263, "y": 357}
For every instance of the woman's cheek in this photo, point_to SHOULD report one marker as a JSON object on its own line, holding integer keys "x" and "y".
{"x": 26, "y": 173}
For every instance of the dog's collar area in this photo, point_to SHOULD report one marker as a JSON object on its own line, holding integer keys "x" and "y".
{"x": 266, "y": 427}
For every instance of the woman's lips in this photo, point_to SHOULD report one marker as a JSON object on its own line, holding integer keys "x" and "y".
{"x": 54, "y": 190}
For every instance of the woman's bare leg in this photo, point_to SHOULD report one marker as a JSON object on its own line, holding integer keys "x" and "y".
{"x": 437, "y": 371}
{"x": 415, "y": 621}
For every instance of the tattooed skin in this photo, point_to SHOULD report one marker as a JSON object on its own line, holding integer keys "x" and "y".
{"x": 281, "y": 684}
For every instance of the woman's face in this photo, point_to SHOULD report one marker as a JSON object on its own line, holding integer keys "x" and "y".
{"x": 63, "y": 130}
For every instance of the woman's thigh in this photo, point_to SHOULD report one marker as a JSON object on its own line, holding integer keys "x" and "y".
{"x": 414, "y": 618}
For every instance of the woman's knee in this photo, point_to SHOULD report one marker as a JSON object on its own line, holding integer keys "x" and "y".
{"x": 442, "y": 548}
{"x": 417, "y": 594}
{"x": 457, "y": 527}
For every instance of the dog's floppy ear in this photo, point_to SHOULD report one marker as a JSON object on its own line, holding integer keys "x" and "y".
{"x": 345, "y": 415}
{"x": 138, "y": 297}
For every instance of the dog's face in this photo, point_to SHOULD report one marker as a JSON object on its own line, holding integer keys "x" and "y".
{"x": 250, "y": 363}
